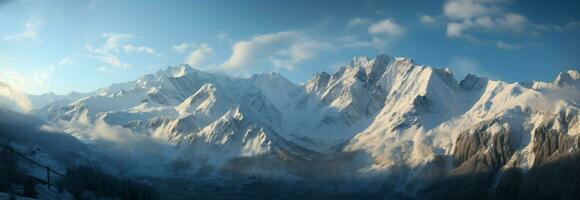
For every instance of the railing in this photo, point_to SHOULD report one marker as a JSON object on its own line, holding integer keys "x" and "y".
{"x": 49, "y": 171}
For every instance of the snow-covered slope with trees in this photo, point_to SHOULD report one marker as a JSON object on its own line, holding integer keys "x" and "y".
{"x": 368, "y": 117}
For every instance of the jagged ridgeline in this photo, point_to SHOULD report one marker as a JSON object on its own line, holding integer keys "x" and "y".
{"x": 380, "y": 127}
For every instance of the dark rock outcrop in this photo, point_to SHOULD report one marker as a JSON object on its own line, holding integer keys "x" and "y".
{"x": 481, "y": 150}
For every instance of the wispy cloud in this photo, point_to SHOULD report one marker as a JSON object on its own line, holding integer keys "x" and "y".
{"x": 107, "y": 70}
{"x": 114, "y": 44}
{"x": 570, "y": 26}
{"x": 378, "y": 34}
{"x": 360, "y": 42}
{"x": 181, "y": 48}
{"x": 139, "y": 49}
{"x": 29, "y": 33}
{"x": 500, "y": 44}
{"x": 358, "y": 22}
{"x": 38, "y": 81}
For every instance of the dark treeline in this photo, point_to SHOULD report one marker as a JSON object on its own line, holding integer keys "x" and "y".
{"x": 88, "y": 182}
{"x": 83, "y": 182}
{"x": 259, "y": 189}
{"x": 13, "y": 175}
{"x": 557, "y": 179}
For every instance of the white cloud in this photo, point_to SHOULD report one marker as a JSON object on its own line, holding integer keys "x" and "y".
{"x": 469, "y": 19}
{"x": 282, "y": 50}
{"x": 513, "y": 22}
{"x": 297, "y": 53}
{"x": 454, "y": 29}
{"x": 358, "y": 22}
{"x": 37, "y": 81}
{"x": 386, "y": 27}
{"x": 465, "y": 18}
{"x": 107, "y": 57}
{"x": 507, "y": 23}
{"x": 379, "y": 34}
{"x": 428, "y": 19}
{"x": 570, "y": 26}
{"x": 466, "y": 9}
{"x": 195, "y": 57}
{"x": 65, "y": 61}
{"x": 120, "y": 143}
{"x": 181, "y": 48}
{"x": 485, "y": 22}
{"x": 41, "y": 77}
{"x": 16, "y": 96}
{"x": 503, "y": 45}
{"x": 13, "y": 78}
{"x": 247, "y": 53}
{"x": 115, "y": 43}
{"x": 355, "y": 41}
{"x": 107, "y": 70}
{"x": 30, "y": 32}
{"x": 138, "y": 49}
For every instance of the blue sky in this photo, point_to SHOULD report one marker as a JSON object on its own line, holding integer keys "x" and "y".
{"x": 65, "y": 46}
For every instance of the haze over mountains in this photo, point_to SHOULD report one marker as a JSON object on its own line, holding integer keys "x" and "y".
{"x": 375, "y": 120}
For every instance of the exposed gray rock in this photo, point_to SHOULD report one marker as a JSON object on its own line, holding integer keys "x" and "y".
{"x": 481, "y": 150}
{"x": 550, "y": 144}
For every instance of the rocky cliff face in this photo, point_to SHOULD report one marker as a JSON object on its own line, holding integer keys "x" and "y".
{"x": 483, "y": 150}
{"x": 550, "y": 143}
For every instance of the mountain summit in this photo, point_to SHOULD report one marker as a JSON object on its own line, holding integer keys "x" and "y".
{"x": 371, "y": 116}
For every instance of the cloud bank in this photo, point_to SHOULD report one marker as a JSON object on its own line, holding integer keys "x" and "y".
{"x": 281, "y": 50}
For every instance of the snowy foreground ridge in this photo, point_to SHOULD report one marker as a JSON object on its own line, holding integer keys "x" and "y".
{"x": 364, "y": 120}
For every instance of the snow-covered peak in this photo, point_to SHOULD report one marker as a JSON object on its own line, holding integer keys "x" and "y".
{"x": 271, "y": 80}
{"x": 359, "y": 61}
{"x": 395, "y": 110}
{"x": 178, "y": 71}
{"x": 382, "y": 59}
{"x": 205, "y": 94}
{"x": 317, "y": 83}
{"x": 568, "y": 78}
{"x": 471, "y": 82}
{"x": 207, "y": 104}
{"x": 379, "y": 60}
{"x": 235, "y": 113}
{"x": 373, "y": 68}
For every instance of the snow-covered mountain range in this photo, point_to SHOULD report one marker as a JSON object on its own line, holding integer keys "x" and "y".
{"x": 366, "y": 119}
